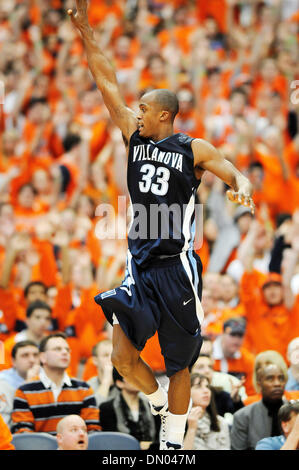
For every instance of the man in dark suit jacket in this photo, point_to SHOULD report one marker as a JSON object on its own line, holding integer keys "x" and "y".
{"x": 259, "y": 420}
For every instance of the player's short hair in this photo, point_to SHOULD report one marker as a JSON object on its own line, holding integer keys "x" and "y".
{"x": 167, "y": 100}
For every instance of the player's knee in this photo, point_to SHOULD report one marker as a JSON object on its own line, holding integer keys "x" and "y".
{"x": 124, "y": 365}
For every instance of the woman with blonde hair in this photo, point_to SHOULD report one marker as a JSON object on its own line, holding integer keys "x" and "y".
{"x": 265, "y": 358}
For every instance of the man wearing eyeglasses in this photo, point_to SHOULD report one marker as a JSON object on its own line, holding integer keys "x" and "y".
{"x": 40, "y": 404}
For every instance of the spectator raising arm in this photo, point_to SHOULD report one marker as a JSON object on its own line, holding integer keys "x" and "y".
{"x": 19, "y": 242}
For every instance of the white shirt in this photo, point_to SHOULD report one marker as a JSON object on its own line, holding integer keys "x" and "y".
{"x": 48, "y": 383}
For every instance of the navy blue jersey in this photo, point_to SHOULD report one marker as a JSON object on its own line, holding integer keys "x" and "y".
{"x": 162, "y": 187}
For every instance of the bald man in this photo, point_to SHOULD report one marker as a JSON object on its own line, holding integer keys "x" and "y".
{"x": 162, "y": 287}
{"x": 72, "y": 433}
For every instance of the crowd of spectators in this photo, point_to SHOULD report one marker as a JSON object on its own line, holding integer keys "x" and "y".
{"x": 63, "y": 209}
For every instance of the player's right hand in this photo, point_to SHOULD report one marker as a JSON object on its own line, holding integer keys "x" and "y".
{"x": 79, "y": 18}
{"x": 240, "y": 198}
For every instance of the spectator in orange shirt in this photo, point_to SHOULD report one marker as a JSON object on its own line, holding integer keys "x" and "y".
{"x": 270, "y": 80}
{"x": 271, "y": 306}
{"x": 97, "y": 13}
{"x": 13, "y": 164}
{"x": 226, "y": 127}
{"x": 28, "y": 209}
{"x": 14, "y": 297}
{"x": 5, "y": 436}
{"x": 259, "y": 242}
{"x": 181, "y": 30}
{"x": 39, "y": 133}
{"x": 225, "y": 248}
{"x": 44, "y": 186}
{"x": 269, "y": 152}
{"x": 212, "y": 93}
{"x": 155, "y": 74}
{"x": 188, "y": 120}
{"x": 92, "y": 116}
{"x": 75, "y": 313}
{"x": 229, "y": 354}
{"x": 212, "y": 324}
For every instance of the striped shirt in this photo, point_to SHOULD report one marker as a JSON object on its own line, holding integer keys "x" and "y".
{"x": 36, "y": 410}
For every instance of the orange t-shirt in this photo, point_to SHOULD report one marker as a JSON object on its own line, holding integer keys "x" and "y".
{"x": 85, "y": 322}
{"x": 204, "y": 253}
{"x": 8, "y": 313}
{"x": 182, "y": 36}
{"x": 152, "y": 355}
{"x": 46, "y": 268}
{"x": 267, "y": 327}
{"x": 98, "y": 11}
{"x": 215, "y": 8}
{"x": 190, "y": 123}
{"x": 214, "y": 324}
{"x": 5, "y": 436}
{"x": 50, "y": 143}
{"x": 242, "y": 365}
{"x": 275, "y": 188}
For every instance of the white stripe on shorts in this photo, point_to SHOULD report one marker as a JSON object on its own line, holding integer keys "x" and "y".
{"x": 199, "y": 310}
{"x": 114, "y": 319}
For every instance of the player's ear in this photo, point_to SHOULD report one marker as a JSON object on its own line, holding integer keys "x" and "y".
{"x": 164, "y": 115}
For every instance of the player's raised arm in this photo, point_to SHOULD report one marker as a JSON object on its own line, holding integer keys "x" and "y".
{"x": 103, "y": 73}
{"x": 207, "y": 157}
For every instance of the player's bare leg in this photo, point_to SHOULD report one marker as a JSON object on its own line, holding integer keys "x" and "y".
{"x": 126, "y": 359}
{"x": 179, "y": 405}
{"x": 179, "y": 392}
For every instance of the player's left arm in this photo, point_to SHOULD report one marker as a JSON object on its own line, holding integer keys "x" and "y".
{"x": 207, "y": 157}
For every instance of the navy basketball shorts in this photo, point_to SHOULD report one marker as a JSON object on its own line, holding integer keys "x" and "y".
{"x": 164, "y": 297}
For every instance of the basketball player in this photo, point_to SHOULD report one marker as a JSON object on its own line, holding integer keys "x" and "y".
{"x": 162, "y": 287}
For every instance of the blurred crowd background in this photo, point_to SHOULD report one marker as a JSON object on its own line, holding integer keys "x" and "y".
{"x": 234, "y": 66}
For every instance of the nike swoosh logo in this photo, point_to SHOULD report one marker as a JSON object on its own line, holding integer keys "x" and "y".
{"x": 185, "y": 303}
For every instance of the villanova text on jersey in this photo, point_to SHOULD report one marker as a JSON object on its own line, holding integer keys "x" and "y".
{"x": 162, "y": 188}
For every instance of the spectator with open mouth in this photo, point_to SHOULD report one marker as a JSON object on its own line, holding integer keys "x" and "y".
{"x": 72, "y": 433}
